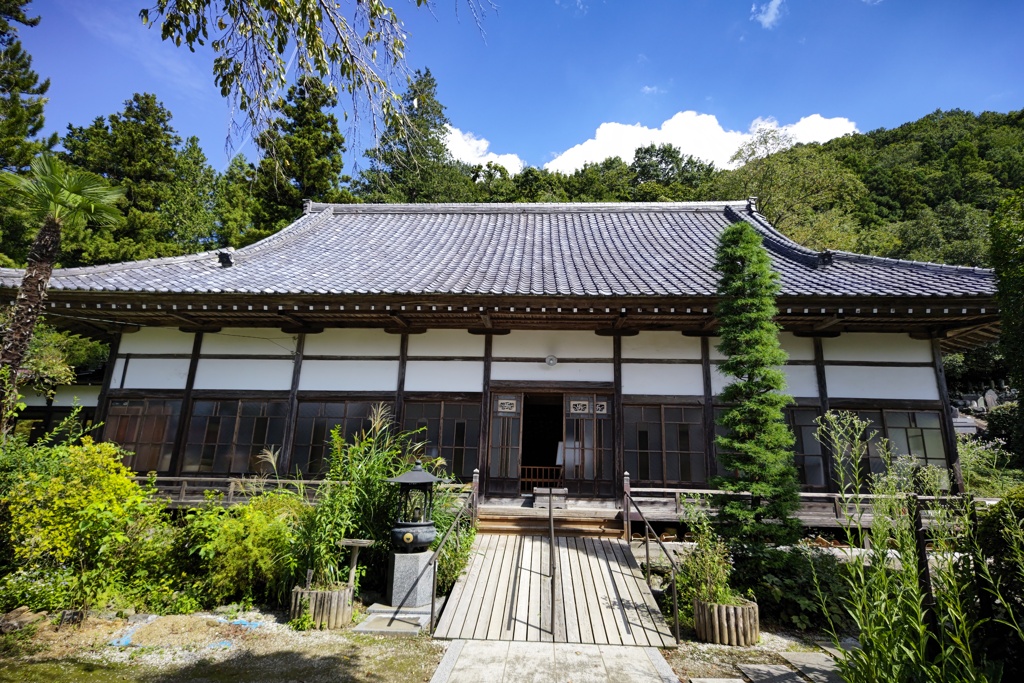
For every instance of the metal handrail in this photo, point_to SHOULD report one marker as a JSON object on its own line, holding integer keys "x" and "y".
{"x": 553, "y": 565}
{"x": 471, "y": 506}
{"x": 647, "y": 544}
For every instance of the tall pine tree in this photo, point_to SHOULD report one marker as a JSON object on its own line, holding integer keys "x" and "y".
{"x": 22, "y": 97}
{"x": 757, "y": 446}
{"x": 1007, "y": 232}
{"x": 302, "y": 158}
{"x": 411, "y": 163}
{"x": 168, "y": 205}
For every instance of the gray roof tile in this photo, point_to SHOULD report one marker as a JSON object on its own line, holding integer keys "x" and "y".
{"x": 516, "y": 249}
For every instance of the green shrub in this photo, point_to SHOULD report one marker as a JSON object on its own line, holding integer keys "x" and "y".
{"x": 1004, "y": 425}
{"x": 246, "y": 552}
{"x": 901, "y": 637}
{"x": 704, "y": 570}
{"x": 75, "y": 512}
{"x": 356, "y": 501}
{"x": 984, "y": 466}
{"x": 785, "y": 582}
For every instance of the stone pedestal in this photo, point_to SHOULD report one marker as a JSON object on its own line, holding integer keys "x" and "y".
{"x": 410, "y": 583}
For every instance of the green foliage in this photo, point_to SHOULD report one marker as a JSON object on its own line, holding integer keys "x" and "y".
{"x": 137, "y": 150}
{"x": 80, "y": 529}
{"x": 54, "y": 357}
{"x": 1008, "y": 258}
{"x": 785, "y": 582}
{"x": 356, "y": 501}
{"x": 246, "y": 552}
{"x": 302, "y": 157}
{"x": 758, "y": 445}
{"x": 1005, "y": 426}
{"x": 355, "y": 45}
{"x": 188, "y": 209}
{"x": 977, "y": 367}
{"x": 303, "y": 622}
{"x": 235, "y": 205}
{"x": 984, "y": 467}
{"x": 901, "y": 637}
{"x": 999, "y": 543}
{"x": 411, "y": 162}
{"x": 705, "y": 569}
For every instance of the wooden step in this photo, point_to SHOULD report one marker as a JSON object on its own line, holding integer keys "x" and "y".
{"x": 534, "y": 526}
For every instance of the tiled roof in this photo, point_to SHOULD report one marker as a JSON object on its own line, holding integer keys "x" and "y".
{"x": 515, "y": 249}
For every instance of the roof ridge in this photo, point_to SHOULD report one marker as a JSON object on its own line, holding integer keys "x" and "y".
{"x": 525, "y": 207}
{"x": 853, "y": 256}
{"x": 299, "y": 226}
{"x": 122, "y": 265}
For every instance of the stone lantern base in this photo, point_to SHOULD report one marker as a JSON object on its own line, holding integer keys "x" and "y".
{"x": 410, "y": 583}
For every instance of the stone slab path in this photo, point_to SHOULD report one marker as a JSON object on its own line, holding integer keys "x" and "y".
{"x": 818, "y": 667}
{"x": 770, "y": 673}
{"x": 473, "y": 661}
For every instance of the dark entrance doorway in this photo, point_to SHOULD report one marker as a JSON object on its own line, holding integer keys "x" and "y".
{"x": 542, "y": 434}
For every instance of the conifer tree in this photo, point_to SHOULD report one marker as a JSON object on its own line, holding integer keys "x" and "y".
{"x": 757, "y": 446}
{"x": 302, "y": 158}
{"x": 411, "y": 162}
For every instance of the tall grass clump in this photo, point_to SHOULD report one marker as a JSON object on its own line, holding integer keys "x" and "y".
{"x": 906, "y": 632}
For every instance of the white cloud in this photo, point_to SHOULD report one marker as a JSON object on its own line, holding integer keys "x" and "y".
{"x": 700, "y": 135}
{"x": 651, "y": 90}
{"x": 162, "y": 60}
{"x": 767, "y": 14}
{"x": 473, "y": 150}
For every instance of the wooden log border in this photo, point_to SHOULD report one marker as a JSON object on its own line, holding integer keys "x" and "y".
{"x": 736, "y": 625}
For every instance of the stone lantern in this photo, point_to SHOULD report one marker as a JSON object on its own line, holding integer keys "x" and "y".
{"x": 414, "y": 529}
{"x": 409, "y": 584}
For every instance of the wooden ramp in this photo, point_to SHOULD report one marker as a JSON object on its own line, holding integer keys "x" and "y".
{"x": 600, "y": 594}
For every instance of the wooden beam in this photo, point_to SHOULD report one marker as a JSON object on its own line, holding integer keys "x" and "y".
{"x": 184, "y": 415}
{"x": 405, "y": 330}
{"x": 485, "y": 318}
{"x": 398, "y": 320}
{"x": 829, "y": 322}
{"x": 198, "y": 329}
{"x": 956, "y": 479}
{"x": 496, "y": 333}
{"x": 293, "y": 407}
{"x": 711, "y": 462}
{"x": 618, "y": 422}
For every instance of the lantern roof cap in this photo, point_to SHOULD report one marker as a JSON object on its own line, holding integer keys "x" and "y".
{"x": 417, "y": 475}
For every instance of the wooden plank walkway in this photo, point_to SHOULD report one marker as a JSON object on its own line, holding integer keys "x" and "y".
{"x": 600, "y": 594}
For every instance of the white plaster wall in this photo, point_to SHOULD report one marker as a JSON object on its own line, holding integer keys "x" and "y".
{"x": 446, "y": 343}
{"x": 877, "y": 346}
{"x": 798, "y": 348}
{"x": 851, "y": 381}
{"x": 563, "y": 372}
{"x": 444, "y": 375}
{"x": 249, "y": 341}
{"x": 669, "y": 345}
{"x": 156, "y": 340}
{"x": 87, "y": 396}
{"x": 353, "y": 342}
{"x": 662, "y": 379}
{"x": 151, "y": 373}
{"x": 34, "y": 399}
{"x": 543, "y": 343}
{"x": 801, "y": 381}
{"x": 349, "y": 375}
{"x": 255, "y": 375}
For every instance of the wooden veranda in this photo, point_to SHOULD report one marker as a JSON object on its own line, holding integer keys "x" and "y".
{"x": 600, "y": 595}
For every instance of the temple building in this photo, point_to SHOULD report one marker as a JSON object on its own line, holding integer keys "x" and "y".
{"x": 540, "y": 343}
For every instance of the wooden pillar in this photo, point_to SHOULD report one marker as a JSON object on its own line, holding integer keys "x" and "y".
{"x": 293, "y": 407}
{"x": 819, "y": 370}
{"x": 186, "y": 406}
{"x": 100, "y": 416}
{"x": 956, "y": 479}
{"x": 618, "y": 417}
{"x": 709, "y": 409}
{"x": 403, "y": 360}
{"x": 484, "y": 452}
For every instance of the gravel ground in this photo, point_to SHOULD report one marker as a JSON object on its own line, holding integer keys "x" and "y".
{"x": 209, "y": 647}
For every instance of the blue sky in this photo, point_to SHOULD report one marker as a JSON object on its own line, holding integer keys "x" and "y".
{"x": 557, "y": 83}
